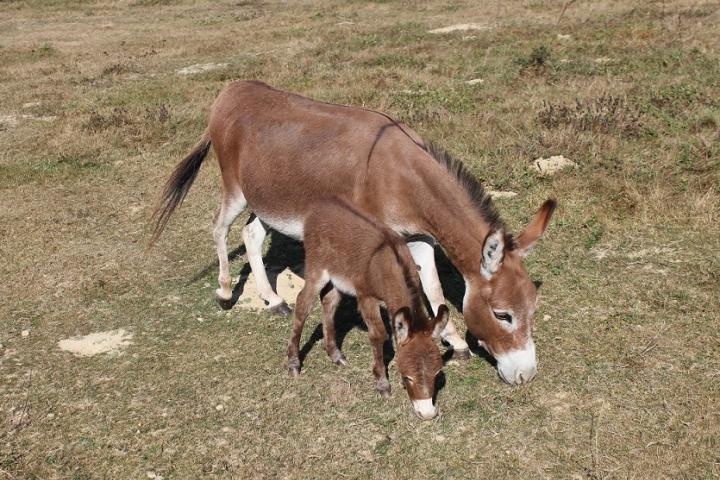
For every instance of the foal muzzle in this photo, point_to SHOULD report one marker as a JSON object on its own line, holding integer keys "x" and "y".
{"x": 425, "y": 409}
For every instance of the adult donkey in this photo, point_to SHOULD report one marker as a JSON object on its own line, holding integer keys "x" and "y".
{"x": 279, "y": 153}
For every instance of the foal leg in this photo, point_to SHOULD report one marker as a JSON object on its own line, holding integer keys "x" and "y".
{"x": 424, "y": 255}
{"x": 370, "y": 311}
{"x": 253, "y": 236}
{"x": 230, "y": 208}
{"x": 303, "y": 305}
{"x": 330, "y": 302}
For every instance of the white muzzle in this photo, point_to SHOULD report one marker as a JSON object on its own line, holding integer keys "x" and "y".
{"x": 425, "y": 408}
{"x": 518, "y": 366}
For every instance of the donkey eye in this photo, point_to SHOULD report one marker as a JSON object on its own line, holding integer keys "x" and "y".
{"x": 503, "y": 316}
{"x": 407, "y": 379}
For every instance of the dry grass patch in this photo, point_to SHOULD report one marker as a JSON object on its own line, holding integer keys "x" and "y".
{"x": 626, "y": 332}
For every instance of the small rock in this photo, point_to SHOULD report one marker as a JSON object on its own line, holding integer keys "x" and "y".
{"x": 25, "y": 333}
{"x": 31, "y": 104}
{"x": 560, "y": 36}
{"x": 603, "y": 60}
{"x": 546, "y": 318}
{"x": 475, "y": 81}
{"x": 345, "y": 23}
{"x": 219, "y": 407}
{"x": 50, "y": 415}
{"x": 461, "y": 27}
{"x": 552, "y": 165}
{"x": 153, "y": 475}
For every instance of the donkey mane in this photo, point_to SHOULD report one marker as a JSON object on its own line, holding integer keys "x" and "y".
{"x": 480, "y": 198}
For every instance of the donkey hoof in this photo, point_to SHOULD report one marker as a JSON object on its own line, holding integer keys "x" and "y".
{"x": 461, "y": 354}
{"x": 281, "y": 309}
{"x": 225, "y": 304}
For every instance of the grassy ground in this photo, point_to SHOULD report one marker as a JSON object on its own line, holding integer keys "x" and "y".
{"x": 93, "y": 116}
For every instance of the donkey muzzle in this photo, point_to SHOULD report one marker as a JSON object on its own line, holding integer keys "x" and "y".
{"x": 518, "y": 366}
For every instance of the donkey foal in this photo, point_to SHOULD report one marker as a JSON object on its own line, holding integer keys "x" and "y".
{"x": 363, "y": 258}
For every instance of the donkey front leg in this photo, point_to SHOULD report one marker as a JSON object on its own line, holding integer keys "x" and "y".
{"x": 424, "y": 255}
{"x": 303, "y": 305}
{"x": 230, "y": 208}
{"x": 330, "y": 302}
{"x": 253, "y": 236}
{"x": 370, "y": 311}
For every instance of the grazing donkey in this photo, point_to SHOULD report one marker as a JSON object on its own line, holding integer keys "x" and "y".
{"x": 280, "y": 153}
{"x": 360, "y": 257}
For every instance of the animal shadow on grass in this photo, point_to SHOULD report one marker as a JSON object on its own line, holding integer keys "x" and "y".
{"x": 454, "y": 288}
{"x": 287, "y": 253}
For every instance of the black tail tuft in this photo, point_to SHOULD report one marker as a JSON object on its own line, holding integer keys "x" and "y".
{"x": 178, "y": 185}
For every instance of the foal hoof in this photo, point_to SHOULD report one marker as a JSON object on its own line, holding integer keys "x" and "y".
{"x": 224, "y": 304}
{"x": 461, "y": 354}
{"x": 383, "y": 386}
{"x": 294, "y": 367}
{"x": 281, "y": 309}
{"x": 340, "y": 359}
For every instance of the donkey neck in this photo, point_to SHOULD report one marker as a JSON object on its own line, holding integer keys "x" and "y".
{"x": 452, "y": 216}
{"x": 397, "y": 275}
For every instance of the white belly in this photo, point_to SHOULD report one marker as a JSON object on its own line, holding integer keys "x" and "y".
{"x": 293, "y": 228}
{"x": 343, "y": 285}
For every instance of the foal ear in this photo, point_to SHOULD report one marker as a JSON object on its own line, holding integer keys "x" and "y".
{"x": 441, "y": 319}
{"x": 401, "y": 325}
{"x": 492, "y": 254}
{"x": 532, "y": 233}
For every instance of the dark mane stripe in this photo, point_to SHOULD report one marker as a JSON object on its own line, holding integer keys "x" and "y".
{"x": 480, "y": 198}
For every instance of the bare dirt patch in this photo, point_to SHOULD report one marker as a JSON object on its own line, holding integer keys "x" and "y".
{"x": 111, "y": 341}
{"x": 461, "y": 27}
{"x": 288, "y": 287}
{"x": 200, "y": 68}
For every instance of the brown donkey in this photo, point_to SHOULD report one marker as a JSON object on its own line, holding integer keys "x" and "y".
{"x": 280, "y": 153}
{"x": 359, "y": 257}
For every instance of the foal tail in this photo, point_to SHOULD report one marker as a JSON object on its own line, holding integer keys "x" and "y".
{"x": 178, "y": 185}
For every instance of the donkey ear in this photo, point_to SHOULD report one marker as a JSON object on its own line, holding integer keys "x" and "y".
{"x": 441, "y": 319}
{"x": 492, "y": 254}
{"x": 401, "y": 325}
{"x": 532, "y": 233}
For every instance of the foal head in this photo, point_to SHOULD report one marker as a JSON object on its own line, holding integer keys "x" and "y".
{"x": 418, "y": 358}
{"x": 500, "y": 301}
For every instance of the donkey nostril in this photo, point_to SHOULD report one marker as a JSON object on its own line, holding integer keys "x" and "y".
{"x": 521, "y": 379}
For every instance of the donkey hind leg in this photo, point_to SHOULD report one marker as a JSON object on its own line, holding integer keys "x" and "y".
{"x": 230, "y": 208}
{"x": 370, "y": 311}
{"x": 253, "y": 236}
{"x": 303, "y": 305}
{"x": 424, "y": 255}
{"x": 330, "y": 302}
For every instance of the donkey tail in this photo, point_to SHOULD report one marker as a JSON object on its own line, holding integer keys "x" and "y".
{"x": 178, "y": 185}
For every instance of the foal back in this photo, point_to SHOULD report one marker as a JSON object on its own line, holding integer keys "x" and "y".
{"x": 360, "y": 256}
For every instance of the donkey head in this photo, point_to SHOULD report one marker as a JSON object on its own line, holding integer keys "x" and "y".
{"x": 500, "y": 302}
{"x": 418, "y": 358}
